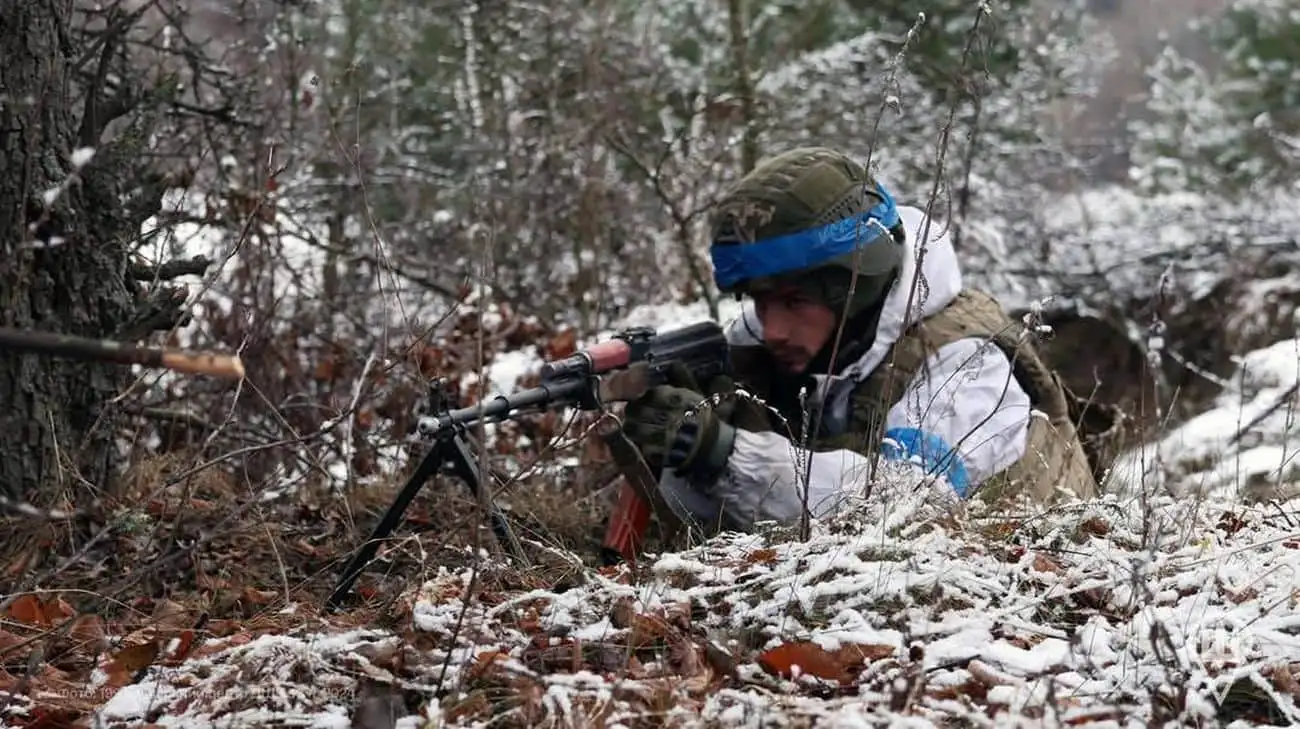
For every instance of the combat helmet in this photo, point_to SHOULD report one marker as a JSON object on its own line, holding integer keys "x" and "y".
{"x": 811, "y": 217}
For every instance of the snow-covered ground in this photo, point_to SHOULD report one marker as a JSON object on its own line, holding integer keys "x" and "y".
{"x": 1090, "y": 615}
{"x": 1248, "y": 444}
{"x": 1127, "y": 611}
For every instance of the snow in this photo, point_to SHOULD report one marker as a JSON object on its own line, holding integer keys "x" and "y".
{"x": 1247, "y": 443}
{"x": 1046, "y": 621}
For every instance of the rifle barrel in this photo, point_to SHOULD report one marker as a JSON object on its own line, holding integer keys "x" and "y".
{"x": 502, "y": 406}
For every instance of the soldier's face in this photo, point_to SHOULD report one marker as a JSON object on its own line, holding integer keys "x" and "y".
{"x": 795, "y": 327}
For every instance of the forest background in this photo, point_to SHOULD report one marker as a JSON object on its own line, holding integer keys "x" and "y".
{"x": 357, "y": 195}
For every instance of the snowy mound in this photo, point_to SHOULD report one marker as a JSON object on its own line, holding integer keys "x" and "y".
{"x": 1098, "y": 614}
{"x": 1244, "y": 448}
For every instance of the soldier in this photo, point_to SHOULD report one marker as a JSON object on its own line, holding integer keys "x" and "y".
{"x": 827, "y": 264}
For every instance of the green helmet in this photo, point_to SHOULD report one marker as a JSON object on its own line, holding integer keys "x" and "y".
{"x": 813, "y": 218}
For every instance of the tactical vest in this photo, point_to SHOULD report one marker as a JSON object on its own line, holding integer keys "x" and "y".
{"x": 1055, "y": 462}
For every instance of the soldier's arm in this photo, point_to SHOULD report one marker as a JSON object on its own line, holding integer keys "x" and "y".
{"x": 966, "y": 399}
{"x": 964, "y": 415}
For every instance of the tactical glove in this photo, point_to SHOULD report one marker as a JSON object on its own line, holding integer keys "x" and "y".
{"x": 695, "y": 445}
{"x": 741, "y": 412}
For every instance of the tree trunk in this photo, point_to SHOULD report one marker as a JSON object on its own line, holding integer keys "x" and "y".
{"x": 738, "y": 22}
{"x": 63, "y": 265}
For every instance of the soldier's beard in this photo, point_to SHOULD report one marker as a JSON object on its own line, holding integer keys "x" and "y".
{"x": 791, "y": 360}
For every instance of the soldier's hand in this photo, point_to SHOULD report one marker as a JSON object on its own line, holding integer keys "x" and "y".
{"x": 674, "y": 428}
{"x": 742, "y": 412}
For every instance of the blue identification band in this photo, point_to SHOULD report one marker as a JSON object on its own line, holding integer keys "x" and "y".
{"x": 796, "y": 251}
{"x": 935, "y": 456}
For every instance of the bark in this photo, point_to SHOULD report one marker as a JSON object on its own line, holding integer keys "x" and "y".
{"x": 738, "y": 23}
{"x": 63, "y": 267}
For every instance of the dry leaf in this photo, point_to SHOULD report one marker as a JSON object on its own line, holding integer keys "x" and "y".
{"x": 126, "y": 662}
{"x": 988, "y": 675}
{"x": 761, "y": 556}
{"x": 89, "y": 630}
{"x": 1240, "y": 596}
{"x": 1095, "y": 526}
{"x": 8, "y": 640}
{"x": 859, "y": 654}
{"x": 530, "y": 622}
{"x": 678, "y": 614}
{"x": 562, "y": 345}
{"x": 365, "y": 418}
{"x": 811, "y": 659}
{"x": 20, "y": 563}
{"x": 648, "y": 630}
{"x": 485, "y": 661}
{"x": 27, "y": 610}
{"x": 184, "y": 643}
{"x": 429, "y": 360}
{"x": 32, "y": 610}
{"x": 1043, "y": 563}
{"x": 1283, "y": 679}
{"x": 476, "y": 705}
{"x": 171, "y": 615}
{"x": 254, "y": 596}
{"x": 43, "y": 717}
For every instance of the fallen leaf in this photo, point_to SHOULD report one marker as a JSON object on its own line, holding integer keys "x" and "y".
{"x": 1240, "y": 596}
{"x": 562, "y": 345}
{"x": 20, "y": 563}
{"x": 648, "y": 630}
{"x": 171, "y": 615}
{"x": 126, "y": 662}
{"x": 258, "y": 597}
{"x": 485, "y": 661}
{"x": 1043, "y": 563}
{"x": 32, "y": 610}
{"x": 1095, "y": 526}
{"x": 475, "y": 705}
{"x": 27, "y": 610}
{"x": 1283, "y": 679}
{"x": 89, "y": 630}
{"x": 988, "y": 675}
{"x": 184, "y": 644}
{"x": 810, "y": 658}
{"x": 43, "y": 717}
{"x": 365, "y": 418}
{"x": 8, "y": 640}
{"x": 761, "y": 556}
{"x": 530, "y": 622}
{"x": 858, "y": 654}
{"x": 428, "y": 360}
{"x": 1231, "y": 523}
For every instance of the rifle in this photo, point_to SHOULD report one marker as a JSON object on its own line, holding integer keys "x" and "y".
{"x": 67, "y": 345}
{"x": 618, "y": 370}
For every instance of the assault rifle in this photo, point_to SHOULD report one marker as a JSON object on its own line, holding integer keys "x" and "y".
{"x": 618, "y": 370}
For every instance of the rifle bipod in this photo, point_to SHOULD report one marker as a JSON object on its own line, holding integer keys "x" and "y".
{"x": 450, "y": 449}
